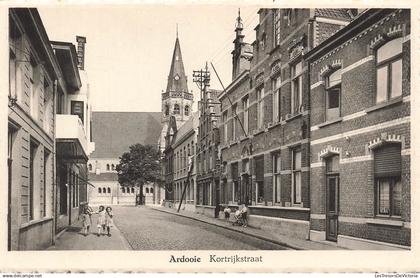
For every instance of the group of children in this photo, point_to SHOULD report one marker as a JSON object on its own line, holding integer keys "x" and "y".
{"x": 241, "y": 215}
{"x": 104, "y": 222}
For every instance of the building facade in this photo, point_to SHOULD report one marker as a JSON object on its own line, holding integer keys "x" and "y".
{"x": 184, "y": 151}
{"x": 207, "y": 154}
{"x": 179, "y": 154}
{"x": 128, "y": 128}
{"x": 33, "y": 75}
{"x": 73, "y": 139}
{"x": 360, "y": 133}
{"x": 265, "y": 118}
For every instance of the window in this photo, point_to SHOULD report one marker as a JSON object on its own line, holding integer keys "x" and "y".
{"x": 259, "y": 177}
{"x": 276, "y": 177}
{"x": 210, "y": 159}
{"x": 296, "y": 176}
{"x": 389, "y": 71}
{"x": 275, "y": 86}
{"x": 296, "y": 97}
{"x": 45, "y": 177}
{"x": 260, "y": 107}
{"x": 187, "y": 110}
{"x": 234, "y": 119}
{"x": 32, "y": 175}
{"x": 12, "y": 74}
{"x": 288, "y": 16}
{"x": 34, "y": 102}
{"x": 245, "y": 105}
{"x": 109, "y": 190}
{"x": 235, "y": 181}
{"x": 276, "y": 27}
{"x": 263, "y": 41}
{"x": 387, "y": 167}
{"x": 104, "y": 190}
{"x": 166, "y": 110}
{"x": 90, "y": 167}
{"x": 107, "y": 167}
{"x": 77, "y": 108}
{"x": 60, "y": 102}
{"x": 225, "y": 127}
{"x": 151, "y": 190}
{"x": 332, "y": 97}
{"x": 122, "y": 190}
{"x": 176, "y": 109}
{"x": 99, "y": 190}
{"x": 147, "y": 190}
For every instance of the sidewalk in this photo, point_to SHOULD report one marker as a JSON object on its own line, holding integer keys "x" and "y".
{"x": 287, "y": 241}
{"x": 73, "y": 239}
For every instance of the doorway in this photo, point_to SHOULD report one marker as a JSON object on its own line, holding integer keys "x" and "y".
{"x": 332, "y": 207}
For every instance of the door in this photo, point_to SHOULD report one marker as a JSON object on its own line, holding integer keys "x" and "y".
{"x": 332, "y": 207}
{"x": 217, "y": 201}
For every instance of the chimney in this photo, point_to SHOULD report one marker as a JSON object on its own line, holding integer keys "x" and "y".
{"x": 81, "y": 41}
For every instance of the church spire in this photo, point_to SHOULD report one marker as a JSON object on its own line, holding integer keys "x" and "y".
{"x": 177, "y": 80}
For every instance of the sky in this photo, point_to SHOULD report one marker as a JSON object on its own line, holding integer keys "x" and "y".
{"x": 129, "y": 47}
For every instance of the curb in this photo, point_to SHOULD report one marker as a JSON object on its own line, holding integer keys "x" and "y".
{"x": 238, "y": 231}
{"x": 125, "y": 242}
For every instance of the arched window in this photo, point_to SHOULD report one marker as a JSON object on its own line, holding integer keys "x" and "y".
{"x": 166, "y": 110}
{"x": 389, "y": 70}
{"x": 151, "y": 190}
{"x": 104, "y": 190}
{"x": 107, "y": 167}
{"x": 176, "y": 109}
{"x": 123, "y": 189}
{"x": 99, "y": 190}
{"x": 109, "y": 190}
{"x": 112, "y": 167}
{"x": 90, "y": 167}
{"x": 187, "y": 110}
{"x": 147, "y": 190}
{"x": 132, "y": 190}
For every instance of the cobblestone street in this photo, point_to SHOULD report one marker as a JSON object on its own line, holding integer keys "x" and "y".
{"x": 147, "y": 229}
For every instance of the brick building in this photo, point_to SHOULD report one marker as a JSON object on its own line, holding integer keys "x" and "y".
{"x": 33, "y": 75}
{"x": 265, "y": 148}
{"x": 114, "y": 133}
{"x": 207, "y": 155}
{"x": 360, "y": 133}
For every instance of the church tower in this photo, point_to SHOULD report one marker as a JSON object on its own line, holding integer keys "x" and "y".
{"x": 176, "y": 100}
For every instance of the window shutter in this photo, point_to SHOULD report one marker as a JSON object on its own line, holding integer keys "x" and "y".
{"x": 388, "y": 161}
{"x": 259, "y": 168}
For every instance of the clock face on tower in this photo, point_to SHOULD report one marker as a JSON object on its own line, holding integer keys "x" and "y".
{"x": 176, "y": 77}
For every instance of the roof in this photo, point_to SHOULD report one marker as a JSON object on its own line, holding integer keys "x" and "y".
{"x": 103, "y": 177}
{"x": 186, "y": 127}
{"x": 341, "y": 14}
{"x": 177, "y": 80}
{"x": 358, "y": 24}
{"x": 114, "y": 132}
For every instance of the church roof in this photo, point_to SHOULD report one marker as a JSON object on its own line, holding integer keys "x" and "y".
{"x": 114, "y": 132}
{"x": 177, "y": 80}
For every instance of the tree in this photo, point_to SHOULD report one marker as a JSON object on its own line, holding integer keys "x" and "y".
{"x": 139, "y": 166}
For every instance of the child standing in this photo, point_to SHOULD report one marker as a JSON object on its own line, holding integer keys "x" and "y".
{"x": 101, "y": 219}
{"x": 108, "y": 220}
{"x": 86, "y": 220}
